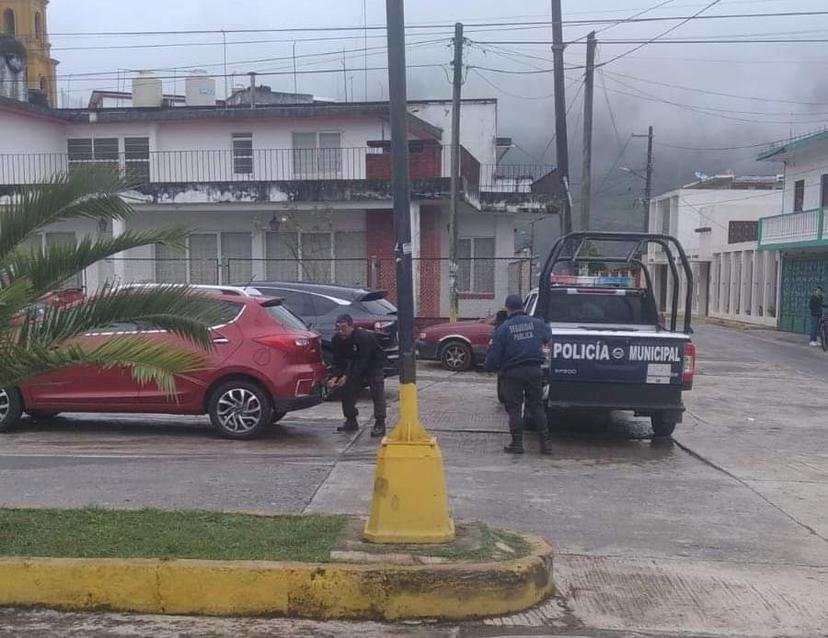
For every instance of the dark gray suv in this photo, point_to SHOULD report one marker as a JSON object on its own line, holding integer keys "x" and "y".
{"x": 320, "y": 304}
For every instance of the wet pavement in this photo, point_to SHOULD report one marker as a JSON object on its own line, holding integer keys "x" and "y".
{"x": 720, "y": 532}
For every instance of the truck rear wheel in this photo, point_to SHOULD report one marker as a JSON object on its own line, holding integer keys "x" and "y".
{"x": 663, "y": 424}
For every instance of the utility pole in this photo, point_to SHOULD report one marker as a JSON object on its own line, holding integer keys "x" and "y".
{"x": 409, "y": 503}
{"x": 586, "y": 177}
{"x": 648, "y": 188}
{"x": 560, "y": 113}
{"x": 454, "y": 305}
{"x": 648, "y": 179}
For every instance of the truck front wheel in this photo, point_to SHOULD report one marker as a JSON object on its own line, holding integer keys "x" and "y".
{"x": 663, "y": 424}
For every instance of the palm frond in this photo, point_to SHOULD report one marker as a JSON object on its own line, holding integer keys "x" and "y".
{"x": 14, "y": 299}
{"x": 47, "y": 270}
{"x": 148, "y": 361}
{"x": 175, "y": 308}
{"x": 92, "y": 192}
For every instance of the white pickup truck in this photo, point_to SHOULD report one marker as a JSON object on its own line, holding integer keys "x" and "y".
{"x": 610, "y": 349}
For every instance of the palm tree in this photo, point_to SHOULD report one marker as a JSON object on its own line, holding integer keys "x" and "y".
{"x": 37, "y": 337}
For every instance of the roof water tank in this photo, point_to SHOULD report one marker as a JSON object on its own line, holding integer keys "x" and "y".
{"x": 146, "y": 90}
{"x": 201, "y": 89}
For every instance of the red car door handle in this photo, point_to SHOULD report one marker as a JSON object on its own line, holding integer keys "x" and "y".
{"x": 220, "y": 339}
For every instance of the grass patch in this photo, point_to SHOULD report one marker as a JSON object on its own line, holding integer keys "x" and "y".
{"x": 152, "y": 533}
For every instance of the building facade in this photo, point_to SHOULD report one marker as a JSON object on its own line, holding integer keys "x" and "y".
{"x": 26, "y": 21}
{"x": 716, "y": 221}
{"x": 288, "y": 192}
{"x": 800, "y": 231}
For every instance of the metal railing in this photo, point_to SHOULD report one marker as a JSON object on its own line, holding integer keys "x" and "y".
{"x": 792, "y": 228}
{"x": 284, "y": 165}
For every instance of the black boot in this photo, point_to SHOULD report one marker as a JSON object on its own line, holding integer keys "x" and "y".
{"x": 545, "y": 443}
{"x": 350, "y": 425}
{"x": 378, "y": 429}
{"x": 515, "y": 447}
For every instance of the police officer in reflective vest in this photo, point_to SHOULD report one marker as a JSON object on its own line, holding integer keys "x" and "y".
{"x": 516, "y": 353}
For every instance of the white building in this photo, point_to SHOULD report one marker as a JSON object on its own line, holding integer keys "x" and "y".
{"x": 716, "y": 221}
{"x": 298, "y": 192}
{"x": 797, "y": 228}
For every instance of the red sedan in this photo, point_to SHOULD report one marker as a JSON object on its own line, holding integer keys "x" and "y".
{"x": 460, "y": 345}
{"x": 265, "y": 363}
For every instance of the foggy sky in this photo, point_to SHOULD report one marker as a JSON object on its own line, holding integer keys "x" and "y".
{"x": 769, "y": 71}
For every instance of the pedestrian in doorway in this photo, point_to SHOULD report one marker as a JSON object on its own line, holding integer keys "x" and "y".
{"x": 815, "y": 306}
{"x": 358, "y": 360}
{"x": 516, "y": 353}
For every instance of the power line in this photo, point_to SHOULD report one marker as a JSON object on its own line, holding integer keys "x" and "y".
{"x": 717, "y": 93}
{"x": 621, "y": 41}
{"x": 663, "y": 33}
{"x": 498, "y": 24}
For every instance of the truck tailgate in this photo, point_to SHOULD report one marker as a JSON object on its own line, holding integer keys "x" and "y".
{"x": 616, "y": 356}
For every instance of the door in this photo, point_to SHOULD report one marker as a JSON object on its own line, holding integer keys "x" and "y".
{"x": 190, "y": 387}
{"x": 87, "y": 388}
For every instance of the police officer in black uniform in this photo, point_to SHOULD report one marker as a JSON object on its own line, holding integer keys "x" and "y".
{"x": 516, "y": 353}
{"x": 358, "y": 359}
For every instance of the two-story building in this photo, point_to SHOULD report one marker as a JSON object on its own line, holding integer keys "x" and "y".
{"x": 800, "y": 231}
{"x": 716, "y": 221}
{"x": 288, "y": 191}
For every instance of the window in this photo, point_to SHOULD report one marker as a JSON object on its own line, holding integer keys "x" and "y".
{"x": 823, "y": 197}
{"x": 316, "y": 257}
{"x": 170, "y": 264}
{"x": 299, "y": 303}
{"x": 38, "y": 25}
{"x": 799, "y": 195}
{"x": 351, "y": 258}
{"x": 203, "y": 258}
{"x": 99, "y": 151}
{"x": 198, "y": 264}
{"x": 282, "y": 315}
{"x": 243, "y": 153}
{"x": 475, "y": 265}
{"x": 237, "y": 251}
{"x": 8, "y": 23}
{"x": 317, "y": 155}
{"x": 282, "y": 253}
{"x": 136, "y": 159}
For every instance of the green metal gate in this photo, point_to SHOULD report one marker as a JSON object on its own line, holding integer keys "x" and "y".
{"x": 800, "y": 275}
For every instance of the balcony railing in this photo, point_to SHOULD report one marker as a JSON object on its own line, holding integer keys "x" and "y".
{"x": 792, "y": 230}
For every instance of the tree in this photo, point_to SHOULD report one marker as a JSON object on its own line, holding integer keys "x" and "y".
{"x": 38, "y": 337}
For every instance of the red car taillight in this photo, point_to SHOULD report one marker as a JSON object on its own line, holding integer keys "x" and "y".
{"x": 689, "y": 368}
{"x": 383, "y": 327}
{"x": 292, "y": 343}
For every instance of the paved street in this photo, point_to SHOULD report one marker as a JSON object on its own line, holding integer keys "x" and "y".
{"x": 719, "y": 533}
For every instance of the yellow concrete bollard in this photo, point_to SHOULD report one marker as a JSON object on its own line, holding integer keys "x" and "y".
{"x": 410, "y": 503}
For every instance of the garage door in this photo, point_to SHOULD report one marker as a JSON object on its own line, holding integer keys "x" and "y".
{"x": 800, "y": 275}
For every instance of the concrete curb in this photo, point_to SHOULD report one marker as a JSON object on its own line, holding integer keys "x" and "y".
{"x": 379, "y": 591}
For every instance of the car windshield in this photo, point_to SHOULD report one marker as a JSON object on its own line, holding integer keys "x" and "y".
{"x": 285, "y": 317}
{"x": 379, "y": 307}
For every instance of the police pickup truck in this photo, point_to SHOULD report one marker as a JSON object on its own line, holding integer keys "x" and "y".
{"x": 610, "y": 349}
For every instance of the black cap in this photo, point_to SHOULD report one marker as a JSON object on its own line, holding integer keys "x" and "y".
{"x": 345, "y": 318}
{"x": 514, "y": 302}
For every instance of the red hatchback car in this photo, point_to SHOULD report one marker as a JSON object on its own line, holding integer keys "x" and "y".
{"x": 264, "y": 363}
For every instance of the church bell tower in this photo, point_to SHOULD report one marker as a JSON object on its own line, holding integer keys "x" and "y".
{"x": 26, "y": 21}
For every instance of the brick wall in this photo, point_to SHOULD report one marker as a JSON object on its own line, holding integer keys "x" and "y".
{"x": 429, "y": 262}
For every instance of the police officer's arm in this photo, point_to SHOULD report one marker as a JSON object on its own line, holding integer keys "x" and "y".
{"x": 494, "y": 356}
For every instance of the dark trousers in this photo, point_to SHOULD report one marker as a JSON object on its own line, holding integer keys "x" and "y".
{"x": 350, "y": 392}
{"x": 517, "y": 384}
